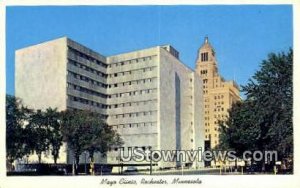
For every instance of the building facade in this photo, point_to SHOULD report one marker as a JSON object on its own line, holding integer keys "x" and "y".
{"x": 219, "y": 94}
{"x": 149, "y": 96}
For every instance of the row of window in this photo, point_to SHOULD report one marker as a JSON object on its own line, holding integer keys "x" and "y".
{"x": 77, "y": 53}
{"x": 85, "y": 90}
{"x": 103, "y": 116}
{"x": 216, "y": 116}
{"x": 220, "y": 85}
{"x": 219, "y": 109}
{"x": 138, "y": 103}
{"x": 87, "y": 68}
{"x": 134, "y": 125}
{"x": 87, "y": 102}
{"x": 94, "y": 82}
{"x": 219, "y": 97}
{"x": 133, "y": 93}
{"x": 133, "y": 114}
{"x": 132, "y": 82}
{"x": 219, "y": 103}
{"x": 104, "y": 106}
{"x": 203, "y": 72}
{"x": 204, "y": 56}
{"x": 92, "y": 92}
{"x": 103, "y": 85}
{"x": 219, "y": 115}
{"x": 216, "y": 136}
{"x": 127, "y": 62}
{"x": 216, "y": 129}
{"x": 87, "y": 79}
{"x": 125, "y": 73}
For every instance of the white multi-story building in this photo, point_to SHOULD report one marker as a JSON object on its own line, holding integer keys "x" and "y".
{"x": 149, "y": 96}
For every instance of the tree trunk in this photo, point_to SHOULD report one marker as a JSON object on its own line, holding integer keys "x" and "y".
{"x": 263, "y": 164}
{"x": 91, "y": 153}
{"x": 40, "y": 157}
{"x": 235, "y": 165}
{"x": 55, "y": 155}
{"x": 76, "y": 164}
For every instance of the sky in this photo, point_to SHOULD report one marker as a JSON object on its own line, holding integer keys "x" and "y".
{"x": 242, "y": 36}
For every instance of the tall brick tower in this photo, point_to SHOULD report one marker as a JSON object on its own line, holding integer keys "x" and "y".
{"x": 219, "y": 94}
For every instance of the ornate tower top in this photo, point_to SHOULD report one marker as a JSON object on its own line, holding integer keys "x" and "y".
{"x": 206, "y": 40}
{"x": 206, "y": 53}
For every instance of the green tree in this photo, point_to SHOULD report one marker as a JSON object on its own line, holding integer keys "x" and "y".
{"x": 263, "y": 121}
{"x": 86, "y": 131}
{"x": 241, "y": 122}
{"x": 16, "y": 136}
{"x": 101, "y": 136}
{"x": 52, "y": 118}
{"x": 38, "y": 128}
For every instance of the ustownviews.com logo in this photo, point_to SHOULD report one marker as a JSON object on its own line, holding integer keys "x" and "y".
{"x": 139, "y": 155}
